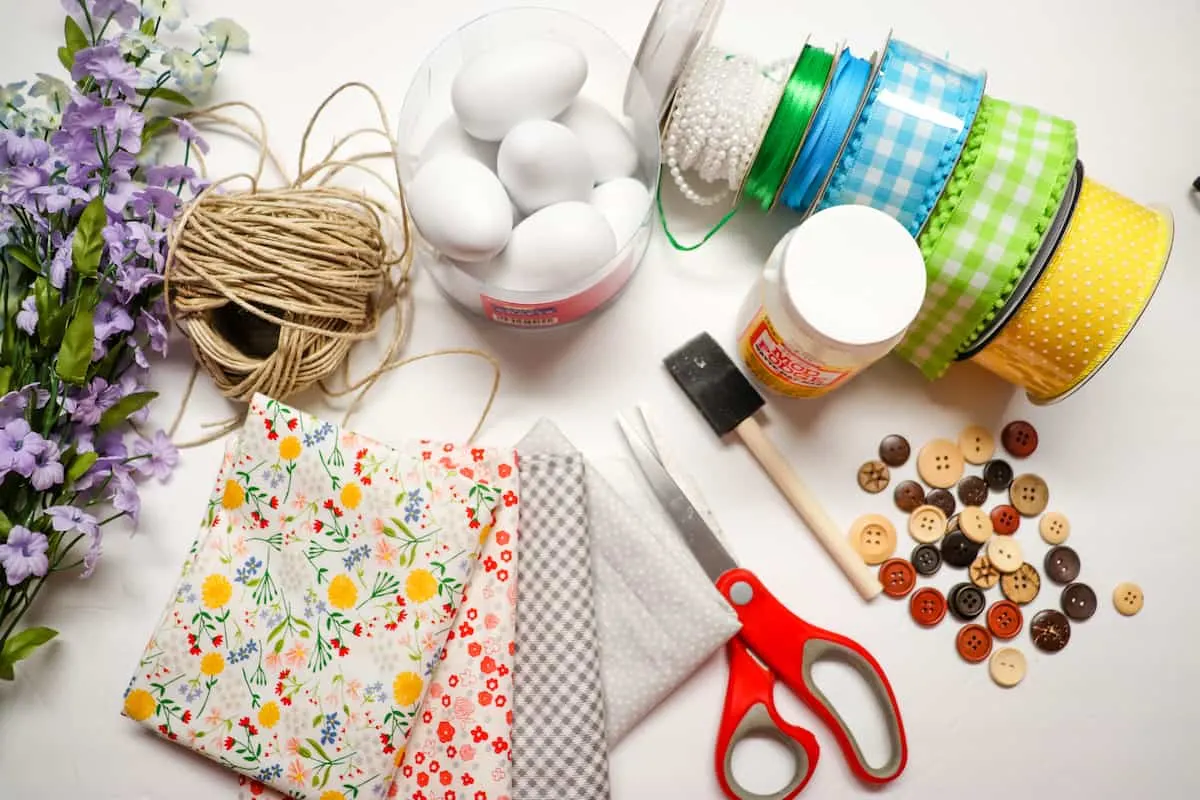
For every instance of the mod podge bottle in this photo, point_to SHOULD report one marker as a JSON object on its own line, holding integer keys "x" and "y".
{"x": 837, "y": 294}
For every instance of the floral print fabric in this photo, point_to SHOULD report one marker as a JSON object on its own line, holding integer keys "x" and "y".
{"x": 318, "y": 601}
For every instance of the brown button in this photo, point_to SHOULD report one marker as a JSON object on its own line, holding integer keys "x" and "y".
{"x": 973, "y": 491}
{"x": 1005, "y": 553}
{"x": 894, "y": 450}
{"x": 958, "y": 550}
{"x": 1029, "y": 494}
{"x": 1061, "y": 564}
{"x": 952, "y": 524}
{"x": 974, "y": 643}
{"x": 1019, "y": 438}
{"x": 977, "y": 525}
{"x": 927, "y": 607}
{"x": 976, "y": 444}
{"x": 874, "y": 477}
{"x": 1054, "y": 527}
{"x": 1078, "y": 601}
{"x": 1004, "y": 619}
{"x": 940, "y": 463}
{"x": 1005, "y": 520}
{"x": 927, "y": 524}
{"x": 1007, "y": 667}
{"x": 926, "y": 559}
{"x": 1023, "y": 585}
{"x": 998, "y": 474}
{"x": 943, "y": 500}
{"x": 908, "y": 496}
{"x": 1050, "y": 630}
{"x": 983, "y": 574}
{"x": 873, "y": 537}
{"x": 1128, "y": 598}
{"x": 898, "y": 577}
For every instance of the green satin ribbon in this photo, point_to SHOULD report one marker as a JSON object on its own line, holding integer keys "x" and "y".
{"x": 789, "y": 124}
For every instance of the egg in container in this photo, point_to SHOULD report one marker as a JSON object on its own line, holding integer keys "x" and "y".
{"x": 530, "y": 157}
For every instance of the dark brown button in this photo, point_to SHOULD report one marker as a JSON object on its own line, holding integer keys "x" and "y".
{"x": 926, "y": 559}
{"x": 952, "y": 524}
{"x": 909, "y": 496}
{"x": 1005, "y": 520}
{"x": 898, "y": 577}
{"x": 1019, "y": 438}
{"x": 1078, "y": 601}
{"x": 999, "y": 474}
{"x": 1004, "y": 619}
{"x": 894, "y": 450}
{"x": 966, "y": 601}
{"x": 974, "y": 643}
{"x": 958, "y": 550}
{"x": 1050, "y": 630}
{"x": 1062, "y": 564}
{"x": 941, "y": 499}
{"x": 874, "y": 477}
{"x": 972, "y": 491}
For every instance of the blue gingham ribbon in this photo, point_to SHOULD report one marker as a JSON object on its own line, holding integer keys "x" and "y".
{"x": 910, "y": 133}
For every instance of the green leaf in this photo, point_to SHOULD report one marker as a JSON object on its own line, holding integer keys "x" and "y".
{"x": 75, "y": 353}
{"x": 23, "y": 256}
{"x": 80, "y": 465}
{"x": 154, "y": 127}
{"x": 148, "y": 27}
{"x": 66, "y": 57}
{"x": 166, "y": 95}
{"x": 74, "y": 35}
{"x": 317, "y": 748}
{"x": 304, "y": 752}
{"x": 127, "y": 405}
{"x": 52, "y": 319}
{"x": 5, "y": 379}
{"x": 89, "y": 243}
{"x": 6, "y": 671}
{"x": 20, "y": 646}
{"x": 5, "y": 524}
{"x": 317, "y": 720}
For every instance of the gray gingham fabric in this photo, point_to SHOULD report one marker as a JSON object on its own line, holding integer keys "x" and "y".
{"x": 558, "y": 733}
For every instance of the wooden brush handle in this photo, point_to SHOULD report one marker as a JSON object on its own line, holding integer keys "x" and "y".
{"x": 811, "y": 511}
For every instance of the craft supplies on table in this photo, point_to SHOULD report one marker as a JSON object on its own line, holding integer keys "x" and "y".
{"x": 529, "y": 189}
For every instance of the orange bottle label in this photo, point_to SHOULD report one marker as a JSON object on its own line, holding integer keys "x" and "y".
{"x": 782, "y": 368}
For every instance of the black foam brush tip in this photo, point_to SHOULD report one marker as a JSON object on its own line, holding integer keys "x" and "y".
{"x": 714, "y": 384}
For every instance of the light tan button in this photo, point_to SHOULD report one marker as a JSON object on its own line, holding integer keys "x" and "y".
{"x": 874, "y": 538}
{"x": 1023, "y": 585}
{"x": 1128, "y": 598}
{"x": 975, "y": 523}
{"x": 940, "y": 463}
{"x": 1007, "y": 667}
{"x": 1029, "y": 495}
{"x": 927, "y": 524}
{"x": 976, "y": 444}
{"x": 1054, "y": 527}
{"x": 983, "y": 573}
{"x": 1005, "y": 554}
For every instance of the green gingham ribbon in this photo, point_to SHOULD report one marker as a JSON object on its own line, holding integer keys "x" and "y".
{"x": 987, "y": 225}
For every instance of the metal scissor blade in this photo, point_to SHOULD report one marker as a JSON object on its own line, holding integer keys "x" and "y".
{"x": 707, "y": 549}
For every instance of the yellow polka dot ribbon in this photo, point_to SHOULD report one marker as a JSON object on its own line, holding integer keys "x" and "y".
{"x": 1092, "y": 293}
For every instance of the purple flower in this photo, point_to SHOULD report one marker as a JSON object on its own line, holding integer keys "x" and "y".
{"x": 27, "y": 317}
{"x": 60, "y": 196}
{"x": 123, "y": 12}
{"x": 87, "y": 407}
{"x": 154, "y": 327}
{"x": 125, "y": 495}
{"x": 160, "y": 456}
{"x": 92, "y": 555}
{"x": 132, "y": 279}
{"x": 171, "y": 173}
{"x": 21, "y": 150}
{"x": 188, "y": 133}
{"x": 65, "y": 519}
{"x": 110, "y": 318}
{"x": 61, "y": 263}
{"x": 21, "y": 183}
{"x": 19, "y": 448}
{"x": 24, "y": 554}
{"x": 13, "y": 405}
{"x": 161, "y": 201}
{"x": 107, "y": 66}
{"x": 126, "y": 130}
{"x": 47, "y": 469}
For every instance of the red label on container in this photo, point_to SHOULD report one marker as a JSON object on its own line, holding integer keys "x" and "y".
{"x": 569, "y": 309}
{"x": 782, "y": 368}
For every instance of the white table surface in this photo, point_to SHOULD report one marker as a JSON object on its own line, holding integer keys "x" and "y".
{"x": 1113, "y": 715}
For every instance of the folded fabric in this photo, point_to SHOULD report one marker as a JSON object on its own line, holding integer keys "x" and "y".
{"x": 300, "y": 642}
{"x": 658, "y": 615}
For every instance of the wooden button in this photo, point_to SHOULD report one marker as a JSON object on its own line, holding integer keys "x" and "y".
{"x": 898, "y": 577}
{"x": 1005, "y": 554}
{"x": 974, "y": 643}
{"x": 966, "y": 601}
{"x": 1007, "y": 667}
{"x": 894, "y": 450}
{"x": 1078, "y": 601}
{"x": 927, "y": 607}
{"x": 1005, "y": 520}
{"x": 1019, "y": 438}
{"x": 975, "y": 523}
{"x": 1004, "y": 619}
{"x": 973, "y": 491}
{"x": 873, "y": 537}
{"x": 958, "y": 550}
{"x": 908, "y": 496}
{"x": 926, "y": 559}
{"x": 1054, "y": 527}
{"x": 874, "y": 477}
{"x": 976, "y": 444}
{"x": 1128, "y": 598}
{"x": 983, "y": 574}
{"x": 940, "y": 464}
{"x": 1061, "y": 564}
{"x": 998, "y": 474}
{"x": 1050, "y": 630}
{"x": 1023, "y": 585}
{"x": 927, "y": 524}
{"x": 943, "y": 500}
{"x": 1029, "y": 494}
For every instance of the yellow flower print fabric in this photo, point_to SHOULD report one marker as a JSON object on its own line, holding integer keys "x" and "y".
{"x": 316, "y": 602}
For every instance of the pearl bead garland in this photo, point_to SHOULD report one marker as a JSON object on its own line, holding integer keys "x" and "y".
{"x": 721, "y": 112}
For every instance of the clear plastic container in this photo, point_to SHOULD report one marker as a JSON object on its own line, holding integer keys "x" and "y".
{"x": 611, "y": 81}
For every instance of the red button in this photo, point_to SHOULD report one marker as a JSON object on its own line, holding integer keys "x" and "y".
{"x": 974, "y": 643}
{"x": 1004, "y": 619}
{"x": 898, "y": 577}
{"x": 1019, "y": 438}
{"x": 1005, "y": 520}
{"x": 927, "y": 607}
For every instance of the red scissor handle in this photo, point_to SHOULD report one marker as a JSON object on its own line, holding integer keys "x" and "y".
{"x": 789, "y": 647}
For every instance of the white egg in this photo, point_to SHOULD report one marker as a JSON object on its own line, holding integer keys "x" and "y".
{"x": 449, "y": 138}
{"x": 624, "y": 203}
{"x": 523, "y": 80}
{"x": 541, "y": 162}
{"x": 554, "y": 249}
{"x": 606, "y": 140}
{"x": 460, "y": 207}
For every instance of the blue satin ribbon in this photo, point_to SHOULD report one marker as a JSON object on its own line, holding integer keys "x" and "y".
{"x": 829, "y": 129}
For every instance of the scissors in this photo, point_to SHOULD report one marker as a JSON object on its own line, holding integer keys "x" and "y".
{"x": 773, "y": 645}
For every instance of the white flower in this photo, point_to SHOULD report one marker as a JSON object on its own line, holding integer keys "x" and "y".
{"x": 172, "y": 12}
{"x": 188, "y": 71}
{"x": 11, "y": 95}
{"x": 56, "y": 92}
{"x": 228, "y": 34}
{"x": 135, "y": 44}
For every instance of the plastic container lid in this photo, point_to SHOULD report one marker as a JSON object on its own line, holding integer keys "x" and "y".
{"x": 678, "y": 29}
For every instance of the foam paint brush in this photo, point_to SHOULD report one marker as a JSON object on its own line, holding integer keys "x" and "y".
{"x": 729, "y": 403}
